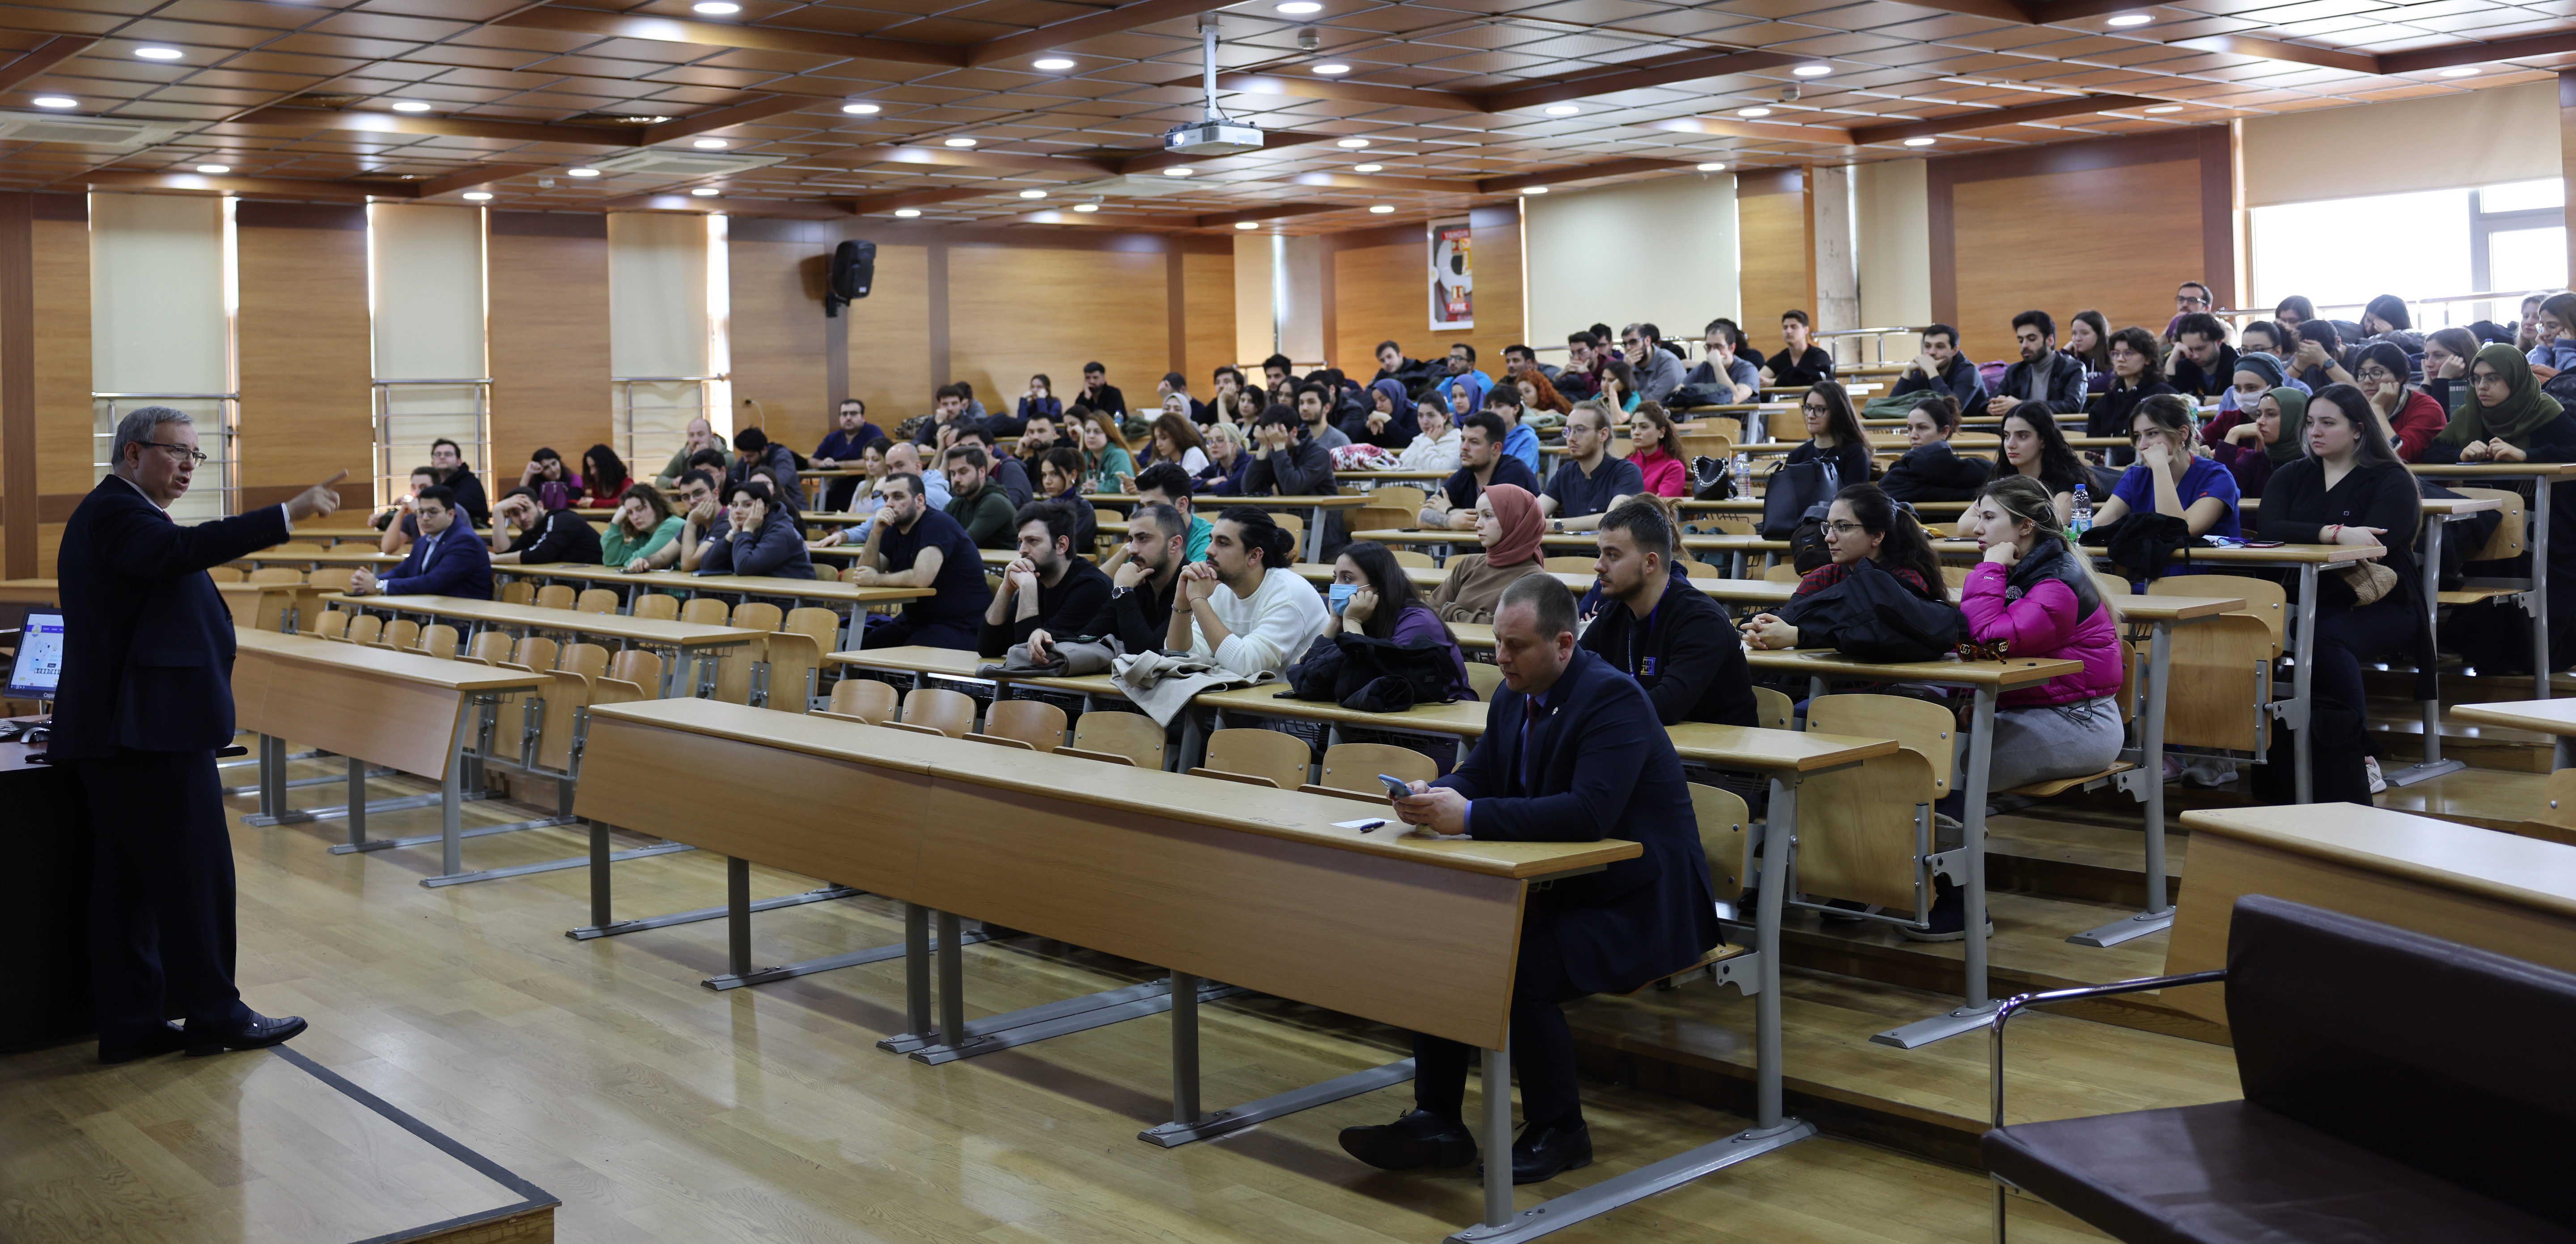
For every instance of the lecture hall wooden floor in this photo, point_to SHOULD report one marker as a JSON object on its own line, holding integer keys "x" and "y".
{"x": 654, "y": 1109}
{"x": 657, "y": 1110}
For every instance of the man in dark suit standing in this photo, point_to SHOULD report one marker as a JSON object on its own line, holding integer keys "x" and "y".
{"x": 146, "y": 700}
{"x": 1572, "y": 752}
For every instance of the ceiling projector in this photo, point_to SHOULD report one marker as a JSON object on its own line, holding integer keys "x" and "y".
{"x": 1214, "y": 136}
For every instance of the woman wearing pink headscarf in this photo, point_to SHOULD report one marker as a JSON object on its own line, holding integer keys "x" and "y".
{"x": 1508, "y": 525}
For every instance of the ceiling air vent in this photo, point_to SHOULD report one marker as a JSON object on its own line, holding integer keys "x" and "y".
{"x": 37, "y": 127}
{"x": 677, "y": 165}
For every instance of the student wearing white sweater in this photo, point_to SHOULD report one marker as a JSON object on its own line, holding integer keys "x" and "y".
{"x": 1245, "y": 607}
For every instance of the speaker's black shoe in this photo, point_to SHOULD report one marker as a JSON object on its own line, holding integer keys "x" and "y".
{"x": 167, "y": 1039}
{"x": 259, "y": 1033}
{"x": 1415, "y": 1140}
{"x": 1543, "y": 1153}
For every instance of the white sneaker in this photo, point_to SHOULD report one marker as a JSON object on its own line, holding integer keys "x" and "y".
{"x": 2370, "y": 765}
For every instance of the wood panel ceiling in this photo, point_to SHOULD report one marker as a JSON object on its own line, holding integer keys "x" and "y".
{"x": 1451, "y": 101}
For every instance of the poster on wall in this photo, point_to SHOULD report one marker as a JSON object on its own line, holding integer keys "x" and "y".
{"x": 1453, "y": 276}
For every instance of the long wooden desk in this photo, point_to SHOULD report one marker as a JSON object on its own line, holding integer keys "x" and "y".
{"x": 352, "y": 558}
{"x": 1252, "y": 888}
{"x": 2534, "y": 589}
{"x": 846, "y": 599}
{"x": 1313, "y": 507}
{"x": 2512, "y": 895}
{"x": 418, "y": 714}
{"x": 685, "y": 641}
{"x": 2555, "y": 718}
{"x": 263, "y": 606}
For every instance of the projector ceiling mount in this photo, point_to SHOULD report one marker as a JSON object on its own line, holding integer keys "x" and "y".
{"x": 1214, "y": 134}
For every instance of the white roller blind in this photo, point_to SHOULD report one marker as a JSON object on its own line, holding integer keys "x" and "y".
{"x": 1659, "y": 252}
{"x": 2474, "y": 138}
{"x": 657, "y": 294}
{"x": 157, "y": 317}
{"x": 426, "y": 265}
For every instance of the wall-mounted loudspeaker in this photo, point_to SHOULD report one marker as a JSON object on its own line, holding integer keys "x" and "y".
{"x": 854, "y": 269}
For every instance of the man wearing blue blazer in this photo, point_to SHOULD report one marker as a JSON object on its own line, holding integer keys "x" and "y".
{"x": 1572, "y": 752}
{"x": 146, "y": 701}
{"x": 447, "y": 559}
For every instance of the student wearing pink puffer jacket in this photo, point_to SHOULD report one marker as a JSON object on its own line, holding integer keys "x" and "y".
{"x": 2034, "y": 593}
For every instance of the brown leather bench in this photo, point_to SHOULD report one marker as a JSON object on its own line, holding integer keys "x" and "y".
{"x": 2398, "y": 1087}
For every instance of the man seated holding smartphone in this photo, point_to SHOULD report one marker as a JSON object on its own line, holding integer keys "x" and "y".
{"x": 1572, "y": 752}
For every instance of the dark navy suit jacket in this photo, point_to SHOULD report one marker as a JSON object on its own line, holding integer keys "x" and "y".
{"x": 1601, "y": 766}
{"x": 147, "y": 641}
{"x": 459, "y": 566}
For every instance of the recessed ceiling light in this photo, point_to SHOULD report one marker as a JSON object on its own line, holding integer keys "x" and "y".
{"x": 2132, "y": 19}
{"x": 1033, "y": 194}
{"x": 2166, "y": 108}
{"x": 1753, "y": 112}
{"x": 716, "y": 8}
{"x": 709, "y": 144}
{"x": 214, "y": 168}
{"x": 1299, "y": 8}
{"x": 1086, "y": 207}
{"x": 959, "y": 142}
{"x": 55, "y": 101}
{"x": 158, "y": 53}
{"x": 1367, "y": 168}
{"x": 1563, "y": 110}
{"x": 2462, "y": 71}
{"x": 907, "y": 212}
{"x": 1380, "y": 210}
{"x": 478, "y": 195}
{"x": 860, "y": 110}
{"x": 1254, "y": 224}
{"x": 1353, "y": 144}
{"x": 410, "y": 105}
{"x": 1533, "y": 190}
{"x": 1918, "y": 142}
{"x": 1812, "y": 71}
{"x": 1330, "y": 68}
{"x": 583, "y": 172}
{"x": 1714, "y": 167}
{"x": 706, "y": 192}
{"x": 1180, "y": 172}
{"x": 1053, "y": 62}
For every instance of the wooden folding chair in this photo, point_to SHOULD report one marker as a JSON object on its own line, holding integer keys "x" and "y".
{"x": 1031, "y": 724}
{"x": 938, "y": 710}
{"x": 658, "y": 607}
{"x": 518, "y": 592}
{"x": 366, "y": 628}
{"x": 596, "y": 600}
{"x": 705, "y": 611}
{"x": 1259, "y": 757}
{"x": 333, "y": 624}
{"x": 555, "y": 596}
{"x": 1117, "y": 737}
{"x": 1569, "y": 565}
{"x": 1351, "y": 769}
{"x": 438, "y": 639}
{"x": 400, "y": 634}
{"x": 863, "y": 700}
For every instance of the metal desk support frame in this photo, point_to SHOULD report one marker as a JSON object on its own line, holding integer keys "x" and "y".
{"x": 1772, "y": 1128}
{"x": 2149, "y": 775}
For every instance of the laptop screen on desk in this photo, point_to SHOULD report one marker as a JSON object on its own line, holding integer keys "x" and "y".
{"x": 39, "y": 669}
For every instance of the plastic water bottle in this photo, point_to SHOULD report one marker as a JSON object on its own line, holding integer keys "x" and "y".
{"x": 2080, "y": 519}
{"x": 1743, "y": 475}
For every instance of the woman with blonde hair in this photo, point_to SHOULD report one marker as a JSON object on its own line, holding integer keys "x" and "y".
{"x": 1227, "y": 456}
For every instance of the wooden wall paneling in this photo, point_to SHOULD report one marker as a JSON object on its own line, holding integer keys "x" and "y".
{"x": 1207, "y": 310}
{"x": 778, "y": 341}
{"x": 1014, "y": 311}
{"x": 1381, "y": 288}
{"x": 304, "y": 351}
{"x": 60, "y": 238}
{"x": 2007, "y": 266}
{"x": 1774, "y": 226}
{"x": 548, "y": 345}
{"x": 2021, "y": 229}
{"x": 17, "y": 386}
{"x": 889, "y": 335}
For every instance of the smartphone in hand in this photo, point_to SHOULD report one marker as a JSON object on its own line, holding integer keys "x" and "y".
{"x": 1396, "y": 788}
